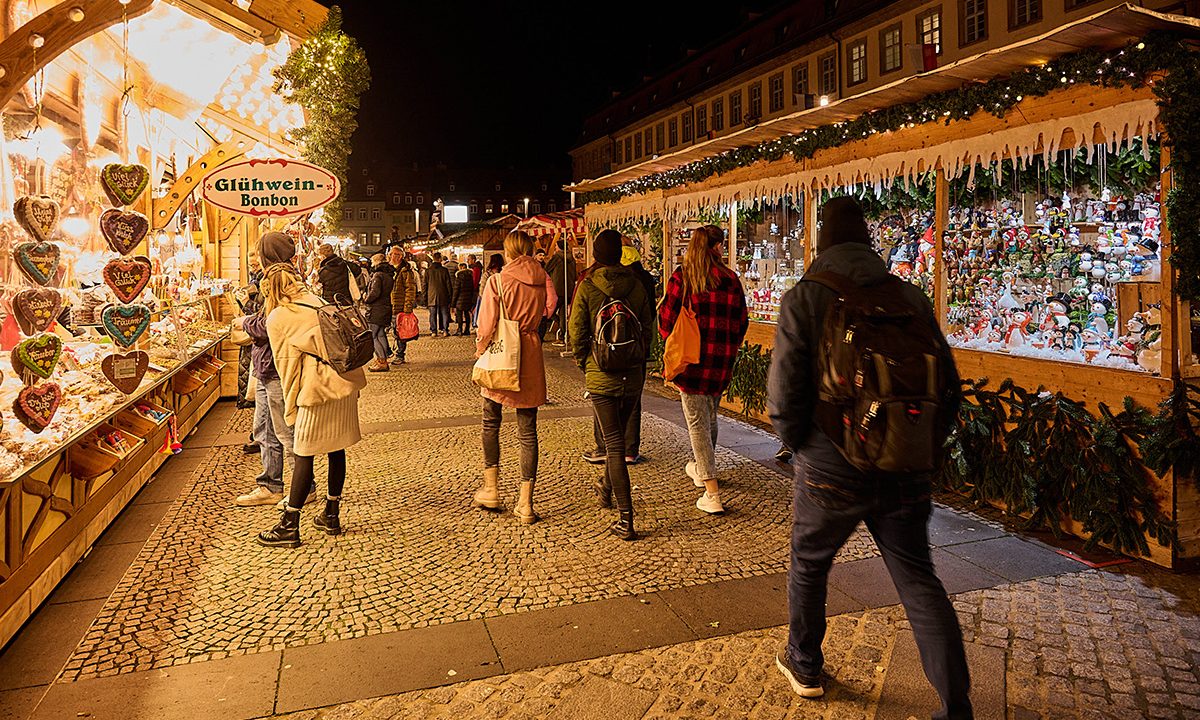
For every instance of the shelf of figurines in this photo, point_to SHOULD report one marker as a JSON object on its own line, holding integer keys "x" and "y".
{"x": 101, "y": 425}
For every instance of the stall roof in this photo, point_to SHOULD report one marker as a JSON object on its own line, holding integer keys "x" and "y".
{"x": 1111, "y": 28}
{"x": 552, "y": 223}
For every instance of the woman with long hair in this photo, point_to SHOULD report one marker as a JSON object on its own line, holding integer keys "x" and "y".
{"x": 320, "y": 403}
{"x": 714, "y": 293}
{"x": 522, "y": 292}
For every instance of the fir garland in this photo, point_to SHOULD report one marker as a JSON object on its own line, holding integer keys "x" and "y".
{"x": 1161, "y": 58}
{"x": 326, "y": 75}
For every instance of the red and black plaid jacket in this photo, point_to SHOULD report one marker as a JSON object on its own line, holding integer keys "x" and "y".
{"x": 721, "y": 315}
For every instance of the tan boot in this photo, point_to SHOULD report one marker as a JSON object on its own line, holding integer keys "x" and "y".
{"x": 378, "y": 366}
{"x": 488, "y": 496}
{"x": 523, "y": 510}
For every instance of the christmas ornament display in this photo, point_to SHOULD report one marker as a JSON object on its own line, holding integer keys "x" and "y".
{"x": 128, "y": 278}
{"x": 38, "y": 216}
{"x": 38, "y": 261}
{"x": 125, "y": 323}
{"x": 125, "y": 371}
{"x": 35, "y": 406}
{"x": 36, "y": 309}
{"x": 123, "y": 230}
{"x": 124, "y": 183}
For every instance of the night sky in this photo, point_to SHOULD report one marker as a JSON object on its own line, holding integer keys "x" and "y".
{"x": 500, "y": 84}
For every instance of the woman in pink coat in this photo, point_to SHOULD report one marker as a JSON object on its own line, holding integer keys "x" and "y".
{"x": 528, "y": 296}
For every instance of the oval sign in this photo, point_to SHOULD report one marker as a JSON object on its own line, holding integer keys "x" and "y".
{"x": 270, "y": 188}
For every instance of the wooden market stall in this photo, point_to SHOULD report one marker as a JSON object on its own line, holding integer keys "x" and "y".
{"x": 1004, "y": 318}
{"x": 115, "y": 111}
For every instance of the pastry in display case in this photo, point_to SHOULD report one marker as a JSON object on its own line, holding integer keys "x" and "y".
{"x": 1070, "y": 276}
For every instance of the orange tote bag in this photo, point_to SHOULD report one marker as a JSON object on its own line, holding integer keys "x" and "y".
{"x": 683, "y": 344}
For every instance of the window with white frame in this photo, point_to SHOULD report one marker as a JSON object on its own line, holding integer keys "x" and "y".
{"x": 348, "y": 214}
{"x": 474, "y": 208}
{"x": 974, "y": 20}
{"x": 408, "y": 198}
{"x": 553, "y": 206}
{"x": 1023, "y": 12}
{"x": 660, "y": 137}
{"x": 504, "y": 208}
{"x": 647, "y": 141}
{"x": 754, "y": 107}
{"x": 775, "y": 100}
{"x": 829, "y": 79}
{"x": 420, "y": 199}
{"x": 891, "y": 49}
{"x": 362, "y": 213}
{"x": 856, "y": 62}
{"x": 687, "y": 126}
{"x": 628, "y": 149}
{"x": 673, "y": 132}
{"x": 374, "y": 213}
{"x": 735, "y": 108}
{"x": 370, "y": 189}
{"x": 488, "y": 208}
{"x": 718, "y": 115}
{"x": 395, "y": 198}
{"x": 929, "y": 29}
{"x": 701, "y": 122}
{"x": 799, "y": 82}
{"x": 637, "y": 145}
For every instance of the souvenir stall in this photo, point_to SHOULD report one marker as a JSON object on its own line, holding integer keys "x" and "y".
{"x": 115, "y": 275}
{"x": 548, "y": 229}
{"x": 1037, "y": 213}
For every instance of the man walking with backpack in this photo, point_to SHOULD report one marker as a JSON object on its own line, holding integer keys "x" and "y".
{"x": 863, "y": 388}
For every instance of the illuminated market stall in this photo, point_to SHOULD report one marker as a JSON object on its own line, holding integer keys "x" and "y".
{"x": 116, "y": 276}
{"x": 1037, "y": 213}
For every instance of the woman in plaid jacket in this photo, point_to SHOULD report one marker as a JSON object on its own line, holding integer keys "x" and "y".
{"x": 716, "y": 296}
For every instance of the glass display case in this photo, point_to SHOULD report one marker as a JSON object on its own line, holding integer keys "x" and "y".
{"x": 770, "y": 255}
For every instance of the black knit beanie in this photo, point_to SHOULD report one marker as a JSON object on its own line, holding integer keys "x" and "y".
{"x": 606, "y": 248}
{"x": 276, "y": 247}
{"x": 842, "y": 221}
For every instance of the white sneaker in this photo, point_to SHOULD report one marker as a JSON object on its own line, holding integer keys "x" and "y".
{"x": 260, "y": 496}
{"x": 282, "y": 504}
{"x": 690, "y": 469}
{"x": 710, "y": 504}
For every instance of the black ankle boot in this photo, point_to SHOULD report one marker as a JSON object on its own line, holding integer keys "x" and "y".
{"x": 603, "y": 492}
{"x": 623, "y": 527}
{"x": 329, "y": 520}
{"x": 285, "y": 534}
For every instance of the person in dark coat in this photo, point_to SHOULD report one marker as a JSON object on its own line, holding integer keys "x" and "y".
{"x": 335, "y": 276}
{"x": 464, "y": 298}
{"x": 563, "y": 273}
{"x": 439, "y": 292}
{"x": 379, "y": 309}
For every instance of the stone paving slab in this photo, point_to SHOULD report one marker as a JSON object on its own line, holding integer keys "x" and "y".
{"x": 907, "y": 694}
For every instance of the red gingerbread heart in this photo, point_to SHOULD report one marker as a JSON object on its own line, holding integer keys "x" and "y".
{"x": 125, "y": 372}
{"x": 36, "y": 310}
{"x": 128, "y": 278}
{"x": 123, "y": 230}
{"x": 35, "y": 406}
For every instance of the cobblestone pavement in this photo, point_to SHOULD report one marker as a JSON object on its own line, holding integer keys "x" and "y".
{"x": 415, "y": 553}
{"x": 1089, "y": 645}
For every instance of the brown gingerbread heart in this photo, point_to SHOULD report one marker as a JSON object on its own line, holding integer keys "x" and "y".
{"x": 38, "y": 261}
{"x": 36, "y": 310}
{"x": 125, "y": 323}
{"x": 124, "y": 183}
{"x": 123, "y": 230}
{"x": 127, "y": 278}
{"x": 37, "y": 215}
{"x": 125, "y": 372}
{"x": 35, "y": 406}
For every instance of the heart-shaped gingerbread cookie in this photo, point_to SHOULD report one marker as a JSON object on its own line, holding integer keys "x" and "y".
{"x": 36, "y": 310}
{"x": 124, "y": 183}
{"x": 123, "y": 230}
{"x": 125, "y": 323}
{"x": 35, "y": 406}
{"x": 128, "y": 278}
{"x": 126, "y": 371}
{"x": 37, "y": 215}
{"x": 36, "y": 357}
{"x": 38, "y": 261}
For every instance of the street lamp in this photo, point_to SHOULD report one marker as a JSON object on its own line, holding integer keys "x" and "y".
{"x": 526, "y": 207}
{"x": 417, "y": 220}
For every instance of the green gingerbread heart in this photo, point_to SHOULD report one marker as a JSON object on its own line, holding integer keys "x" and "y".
{"x": 37, "y": 355}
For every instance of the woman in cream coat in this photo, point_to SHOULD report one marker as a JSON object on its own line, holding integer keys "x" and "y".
{"x": 320, "y": 403}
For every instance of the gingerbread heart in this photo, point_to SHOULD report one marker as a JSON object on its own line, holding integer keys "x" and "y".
{"x": 36, "y": 357}
{"x": 35, "y": 406}
{"x": 38, "y": 261}
{"x": 37, "y": 309}
{"x": 124, "y": 183}
{"x": 126, "y": 371}
{"x": 125, "y": 323}
{"x": 37, "y": 215}
{"x": 123, "y": 230}
{"x": 128, "y": 278}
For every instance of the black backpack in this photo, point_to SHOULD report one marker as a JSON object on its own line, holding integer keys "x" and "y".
{"x": 880, "y": 384}
{"x": 347, "y": 339}
{"x": 617, "y": 341}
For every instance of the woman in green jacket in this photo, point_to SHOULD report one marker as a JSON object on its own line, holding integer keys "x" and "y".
{"x": 614, "y": 394}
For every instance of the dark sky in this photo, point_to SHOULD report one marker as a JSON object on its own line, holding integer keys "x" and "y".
{"x": 497, "y": 84}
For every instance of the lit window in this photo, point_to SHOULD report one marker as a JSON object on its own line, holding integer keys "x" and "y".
{"x": 829, "y": 79}
{"x": 799, "y": 83}
{"x": 673, "y": 131}
{"x": 1023, "y": 12}
{"x": 776, "y": 99}
{"x": 735, "y": 108}
{"x": 718, "y": 115}
{"x": 687, "y": 127}
{"x": 374, "y": 238}
{"x": 974, "y": 20}
{"x": 929, "y": 29}
{"x": 856, "y": 59}
{"x": 891, "y": 50}
{"x": 754, "y": 107}
{"x": 488, "y": 207}
{"x": 504, "y": 208}
{"x": 701, "y": 121}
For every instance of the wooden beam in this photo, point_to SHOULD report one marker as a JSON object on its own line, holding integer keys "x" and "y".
{"x": 224, "y": 15}
{"x": 811, "y": 198}
{"x": 941, "y": 219}
{"x": 298, "y": 18}
{"x": 1170, "y": 331}
{"x": 21, "y": 61}
{"x": 166, "y": 206}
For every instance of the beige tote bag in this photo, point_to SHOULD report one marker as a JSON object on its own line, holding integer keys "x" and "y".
{"x": 499, "y": 367}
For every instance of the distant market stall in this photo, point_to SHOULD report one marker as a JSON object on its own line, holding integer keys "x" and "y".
{"x": 1042, "y": 213}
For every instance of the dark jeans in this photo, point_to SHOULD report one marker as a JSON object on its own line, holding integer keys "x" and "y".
{"x": 825, "y": 512}
{"x": 439, "y": 319}
{"x": 401, "y": 349}
{"x": 463, "y": 319}
{"x": 302, "y": 477}
{"x": 633, "y": 432}
{"x": 613, "y": 414}
{"x": 526, "y": 435}
{"x": 379, "y": 336}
